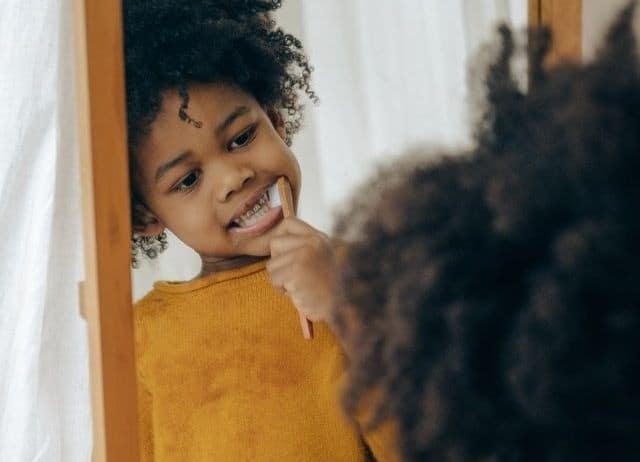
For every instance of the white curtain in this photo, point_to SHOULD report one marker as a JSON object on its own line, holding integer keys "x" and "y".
{"x": 389, "y": 74}
{"x": 44, "y": 391}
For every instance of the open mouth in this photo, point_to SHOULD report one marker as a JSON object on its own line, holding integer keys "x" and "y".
{"x": 259, "y": 217}
{"x": 253, "y": 215}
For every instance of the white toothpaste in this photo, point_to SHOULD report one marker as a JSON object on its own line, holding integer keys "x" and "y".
{"x": 274, "y": 196}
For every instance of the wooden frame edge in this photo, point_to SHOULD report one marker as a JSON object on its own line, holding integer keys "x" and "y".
{"x": 564, "y": 19}
{"x": 106, "y": 291}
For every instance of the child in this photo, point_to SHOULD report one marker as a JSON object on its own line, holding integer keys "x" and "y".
{"x": 224, "y": 372}
{"x": 503, "y": 310}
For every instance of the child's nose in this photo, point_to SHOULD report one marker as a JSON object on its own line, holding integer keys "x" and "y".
{"x": 233, "y": 180}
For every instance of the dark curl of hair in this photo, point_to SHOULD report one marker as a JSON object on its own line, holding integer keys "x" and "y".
{"x": 497, "y": 289}
{"x": 170, "y": 44}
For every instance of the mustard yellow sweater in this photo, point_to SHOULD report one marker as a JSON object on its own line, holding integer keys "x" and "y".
{"x": 225, "y": 375}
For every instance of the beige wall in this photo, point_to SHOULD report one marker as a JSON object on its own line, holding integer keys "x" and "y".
{"x": 596, "y": 17}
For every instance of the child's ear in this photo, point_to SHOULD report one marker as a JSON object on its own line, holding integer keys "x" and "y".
{"x": 278, "y": 122}
{"x": 145, "y": 222}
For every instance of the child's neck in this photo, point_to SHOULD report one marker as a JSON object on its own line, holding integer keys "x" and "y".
{"x": 211, "y": 266}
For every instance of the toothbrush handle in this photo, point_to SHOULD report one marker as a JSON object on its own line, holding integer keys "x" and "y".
{"x": 307, "y": 327}
{"x": 284, "y": 190}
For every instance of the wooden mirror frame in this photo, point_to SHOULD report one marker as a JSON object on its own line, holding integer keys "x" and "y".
{"x": 105, "y": 295}
{"x": 564, "y": 19}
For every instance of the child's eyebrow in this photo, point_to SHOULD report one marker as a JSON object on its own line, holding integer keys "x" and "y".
{"x": 164, "y": 168}
{"x": 230, "y": 119}
{"x": 237, "y": 112}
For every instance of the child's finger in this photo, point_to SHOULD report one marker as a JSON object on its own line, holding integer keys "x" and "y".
{"x": 287, "y": 259}
{"x": 293, "y": 225}
{"x": 287, "y": 243}
{"x": 281, "y": 279}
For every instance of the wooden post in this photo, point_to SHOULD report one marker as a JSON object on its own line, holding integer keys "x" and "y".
{"x": 106, "y": 291}
{"x": 564, "y": 19}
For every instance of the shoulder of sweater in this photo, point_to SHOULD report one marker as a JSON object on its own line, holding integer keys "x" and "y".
{"x": 150, "y": 302}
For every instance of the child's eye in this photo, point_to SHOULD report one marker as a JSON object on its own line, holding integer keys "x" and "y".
{"x": 243, "y": 139}
{"x": 188, "y": 182}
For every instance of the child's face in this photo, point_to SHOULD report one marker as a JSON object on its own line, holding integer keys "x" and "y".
{"x": 195, "y": 181}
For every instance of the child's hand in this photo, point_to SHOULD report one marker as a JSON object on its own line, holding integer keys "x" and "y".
{"x": 302, "y": 266}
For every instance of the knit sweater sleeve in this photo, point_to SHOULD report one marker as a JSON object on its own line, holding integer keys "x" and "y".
{"x": 383, "y": 442}
{"x": 383, "y": 439}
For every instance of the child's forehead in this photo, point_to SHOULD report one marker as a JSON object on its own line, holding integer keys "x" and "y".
{"x": 209, "y": 99}
{"x": 210, "y": 104}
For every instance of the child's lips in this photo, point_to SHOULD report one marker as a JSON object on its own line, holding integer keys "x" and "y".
{"x": 249, "y": 203}
{"x": 265, "y": 223}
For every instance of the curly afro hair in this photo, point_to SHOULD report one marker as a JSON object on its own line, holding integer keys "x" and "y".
{"x": 170, "y": 44}
{"x": 497, "y": 289}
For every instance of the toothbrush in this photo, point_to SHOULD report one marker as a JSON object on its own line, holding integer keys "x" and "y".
{"x": 280, "y": 194}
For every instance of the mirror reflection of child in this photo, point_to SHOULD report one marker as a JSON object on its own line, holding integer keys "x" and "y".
{"x": 213, "y": 98}
{"x": 500, "y": 287}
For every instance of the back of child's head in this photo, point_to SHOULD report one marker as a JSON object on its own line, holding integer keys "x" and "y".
{"x": 172, "y": 44}
{"x": 497, "y": 290}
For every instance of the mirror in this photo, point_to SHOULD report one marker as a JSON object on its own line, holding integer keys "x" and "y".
{"x": 386, "y": 77}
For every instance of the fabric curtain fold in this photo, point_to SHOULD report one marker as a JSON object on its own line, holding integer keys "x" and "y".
{"x": 44, "y": 383}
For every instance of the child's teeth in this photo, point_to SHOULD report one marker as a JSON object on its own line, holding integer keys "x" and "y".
{"x": 255, "y": 213}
